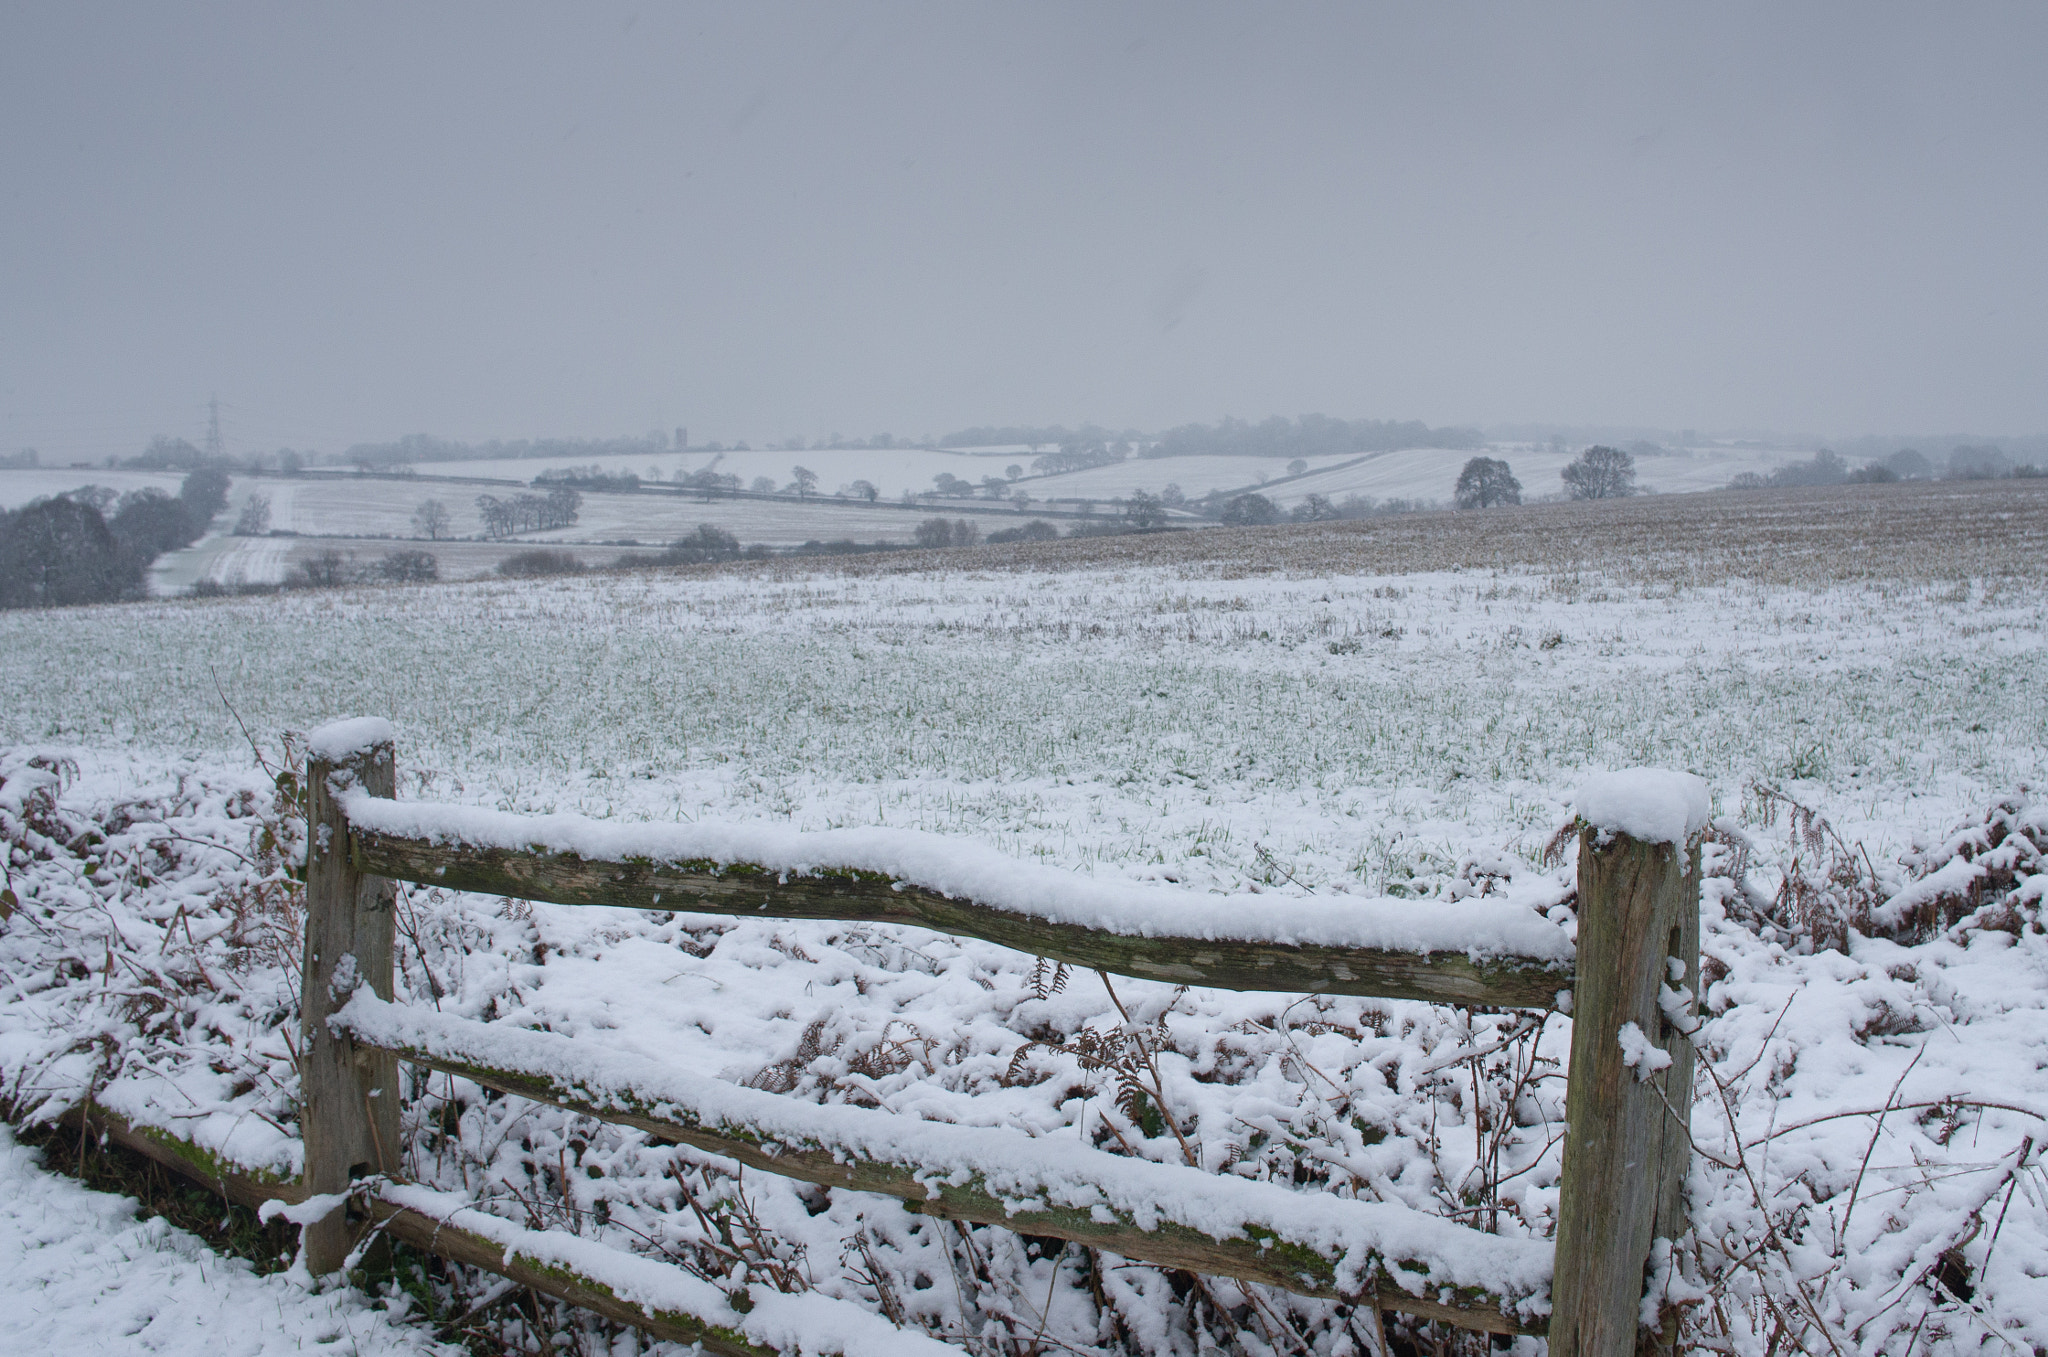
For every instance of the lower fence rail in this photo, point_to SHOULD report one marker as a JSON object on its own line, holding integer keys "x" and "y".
{"x": 1384, "y": 1254}
{"x": 654, "y": 1297}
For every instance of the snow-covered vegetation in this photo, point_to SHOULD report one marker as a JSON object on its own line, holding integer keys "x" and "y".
{"x": 1327, "y": 714}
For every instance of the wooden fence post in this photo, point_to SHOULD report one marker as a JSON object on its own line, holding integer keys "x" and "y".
{"x": 1627, "y": 1145}
{"x": 348, "y": 1102}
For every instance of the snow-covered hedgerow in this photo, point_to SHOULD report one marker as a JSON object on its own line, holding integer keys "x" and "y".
{"x": 1867, "y": 1121}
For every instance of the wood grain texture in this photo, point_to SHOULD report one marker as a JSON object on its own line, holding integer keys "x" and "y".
{"x": 1626, "y": 1145}
{"x": 348, "y": 1096}
{"x": 1265, "y": 1258}
{"x": 848, "y": 896}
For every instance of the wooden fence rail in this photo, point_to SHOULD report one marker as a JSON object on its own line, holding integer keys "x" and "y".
{"x": 1628, "y": 989}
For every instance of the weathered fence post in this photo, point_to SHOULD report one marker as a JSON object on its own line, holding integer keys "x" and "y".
{"x": 1629, "y": 1095}
{"x": 348, "y": 1102}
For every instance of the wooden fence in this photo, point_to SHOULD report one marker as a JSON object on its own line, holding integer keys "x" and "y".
{"x": 1626, "y": 1146}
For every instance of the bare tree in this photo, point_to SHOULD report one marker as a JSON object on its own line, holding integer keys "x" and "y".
{"x": 431, "y": 519}
{"x": 805, "y": 480}
{"x": 1601, "y": 473}
{"x": 254, "y": 520}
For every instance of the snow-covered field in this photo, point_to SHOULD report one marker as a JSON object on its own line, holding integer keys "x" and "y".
{"x": 20, "y": 485}
{"x": 1294, "y": 713}
{"x": 1431, "y": 474}
{"x": 1196, "y": 476}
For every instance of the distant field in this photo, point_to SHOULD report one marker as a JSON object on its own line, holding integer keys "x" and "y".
{"x": 1959, "y": 531}
{"x": 371, "y": 516}
{"x": 1432, "y": 473}
{"x": 891, "y": 470}
{"x": 1823, "y": 531}
{"x": 18, "y": 487}
{"x": 1196, "y": 476}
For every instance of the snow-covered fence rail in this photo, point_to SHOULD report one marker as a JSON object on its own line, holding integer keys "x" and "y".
{"x": 1466, "y": 952}
{"x": 1627, "y": 983}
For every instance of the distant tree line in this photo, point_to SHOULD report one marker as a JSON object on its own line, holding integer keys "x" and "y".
{"x": 1035, "y": 436}
{"x": 1965, "y": 462}
{"x": 421, "y": 447}
{"x": 94, "y": 546}
{"x": 1309, "y": 436}
{"x": 592, "y": 478}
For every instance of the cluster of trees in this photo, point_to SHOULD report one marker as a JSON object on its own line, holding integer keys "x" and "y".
{"x": 712, "y": 483}
{"x": 946, "y": 532}
{"x": 1078, "y": 455}
{"x": 526, "y": 565}
{"x": 528, "y": 513}
{"x": 1037, "y": 530}
{"x": 333, "y": 569}
{"x": 706, "y": 544}
{"x": 948, "y": 486}
{"x": 94, "y": 546}
{"x": 588, "y": 478}
{"x": 1254, "y": 510}
{"x": 1309, "y": 436}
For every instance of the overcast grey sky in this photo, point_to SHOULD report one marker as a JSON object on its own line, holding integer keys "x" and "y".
{"x": 495, "y": 220}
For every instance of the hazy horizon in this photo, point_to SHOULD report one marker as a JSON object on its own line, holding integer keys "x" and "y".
{"x": 513, "y": 222}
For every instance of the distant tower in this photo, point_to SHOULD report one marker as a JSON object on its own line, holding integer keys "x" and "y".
{"x": 216, "y": 451}
{"x": 682, "y": 439}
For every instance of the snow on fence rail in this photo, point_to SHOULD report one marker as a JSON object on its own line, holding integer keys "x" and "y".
{"x": 1628, "y": 985}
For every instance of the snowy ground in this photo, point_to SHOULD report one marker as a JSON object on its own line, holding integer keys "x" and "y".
{"x": 84, "y": 1275}
{"x": 1295, "y": 713}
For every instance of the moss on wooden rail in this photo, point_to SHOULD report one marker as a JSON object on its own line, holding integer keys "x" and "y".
{"x": 1262, "y": 1256}
{"x": 856, "y": 896}
{"x": 464, "y": 1246}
